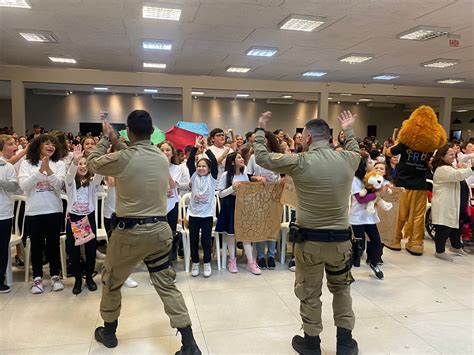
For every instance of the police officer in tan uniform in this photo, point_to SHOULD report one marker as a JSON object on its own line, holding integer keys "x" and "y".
{"x": 141, "y": 231}
{"x": 323, "y": 179}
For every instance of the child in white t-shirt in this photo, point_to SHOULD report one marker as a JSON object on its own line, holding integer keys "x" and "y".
{"x": 201, "y": 207}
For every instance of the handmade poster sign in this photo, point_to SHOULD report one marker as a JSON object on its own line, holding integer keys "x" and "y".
{"x": 288, "y": 195}
{"x": 388, "y": 219}
{"x": 258, "y": 212}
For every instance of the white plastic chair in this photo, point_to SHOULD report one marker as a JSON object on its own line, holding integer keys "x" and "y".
{"x": 181, "y": 227}
{"x": 62, "y": 243}
{"x": 285, "y": 229}
{"x": 101, "y": 232}
{"x": 16, "y": 237}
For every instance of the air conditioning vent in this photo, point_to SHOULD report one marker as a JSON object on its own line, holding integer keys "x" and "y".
{"x": 381, "y": 105}
{"x": 171, "y": 97}
{"x": 51, "y": 92}
{"x": 280, "y": 101}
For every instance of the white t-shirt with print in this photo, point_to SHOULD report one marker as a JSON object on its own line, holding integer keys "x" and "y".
{"x": 254, "y": 169}
{"x": 358, "y": 213}
{"x": 218, "y": 152}
{"x": 203, "y": 196}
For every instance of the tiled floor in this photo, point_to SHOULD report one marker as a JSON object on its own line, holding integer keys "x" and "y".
{"x": 424, "y": 306}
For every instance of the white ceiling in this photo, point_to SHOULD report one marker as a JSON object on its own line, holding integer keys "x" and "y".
{"x": 212, "y": 35}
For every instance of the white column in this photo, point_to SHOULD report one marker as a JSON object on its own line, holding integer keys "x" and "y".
{"x": 187, "y": 104}
{"x": 445, "y": 112}
{"x": 18, "y": 107}
{"x": 323, "y": 105}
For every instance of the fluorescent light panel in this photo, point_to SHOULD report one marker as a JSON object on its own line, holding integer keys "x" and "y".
{"x": 242, "y": 95}
{"x": 262, "y": 51}
{"x": 286, "y": 96}
{"x": 385, "y": 77}
{"x": 154, "y": 65}
{"x": 101, "y": 88}
{"x": 423, "y": 33}
{"x": 161, "y": 13}
{"x": 157, "y": 44}
{"x": 355, "y": 58}
{"x": 301, "y": 23}
{"x": 38, "y": 36}
{"x": 62, "y": 60}
{"x": 450, "y": 81}
{"x": 346, "y": 94}
{"x": 238, "y": 69}
{"x": 440, "y": 63}
{"x": 365, "y": 100}
{"x": 197, "y": 93}
{"x": 150, "y": 91}
{"x": 314, "y": 73}
{"x": 23, "y": 4}
{"x": 462, "y": 110}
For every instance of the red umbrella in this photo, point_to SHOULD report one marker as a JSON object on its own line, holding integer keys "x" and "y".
{"x": 181, "y": 137}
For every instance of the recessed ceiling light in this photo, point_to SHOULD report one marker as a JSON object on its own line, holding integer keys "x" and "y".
{"x": 197, "y": 92}
{"x": 346, "y": 94}
{"x": 440, "y": 63}
{"x": 286, "y": 96}
{"x": 24, "y": 4}
{"x": 301, "y": 23}
{"x": 150, "y": 91}
{"x": 365, "y": 100}
{"x": 355, "y": 58}
{"x": 154, "y": 65}
{"x": 238, "y": 69}
{"x": 161, "y": 13}
{"x": 262, "y": 51}
{"x": 314, "y": 73}
{"x": 38, "y": 36}
{"x": 385, "y": 76}
{"x": 450, "y": 81}
{"x": 462, "y": 110}
{"x": 330, "y": 98}
{"x": 157, "y": 44}
{"x": 242, "y": 95}
{"x": 62, "y": 60}
{"x": 423, "y": 33}
{"x": 101, "y": 88}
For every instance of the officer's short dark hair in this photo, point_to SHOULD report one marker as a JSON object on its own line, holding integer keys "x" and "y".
{"x": 140, "y": 124}
{"x": 319, "y": 129}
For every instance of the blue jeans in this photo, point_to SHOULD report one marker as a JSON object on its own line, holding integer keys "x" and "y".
{"x": 261, "y": 248}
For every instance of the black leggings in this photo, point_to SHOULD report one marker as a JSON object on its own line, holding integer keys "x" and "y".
{"x": 5, "y": 234}
{"x": 172, "y": 217}
{"x": 74, "y": 251}
{"x": 443, "y": 233}
{"x": 205, "y": 225}
{"x": 374, "y": 246}
{"x": 44, "y": 231}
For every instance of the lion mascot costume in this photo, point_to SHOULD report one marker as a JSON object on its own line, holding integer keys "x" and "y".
{"x": 418, "y": 138}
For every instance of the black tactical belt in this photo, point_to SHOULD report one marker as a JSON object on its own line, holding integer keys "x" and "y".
{"x": 324, "y": 235}
{"x": 127, "y": 223}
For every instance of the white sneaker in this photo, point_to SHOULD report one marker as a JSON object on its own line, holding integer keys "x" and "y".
{"x": 37, "y": 286}
{"x": 195, "y": 270}
{"x": 130, "y": 282}
{"x": 99, "y": 255}
{"x": 444, "y": 256}
{"x": 458, "y": 252}
{"x": 57, "y": 284}
{"x": 207, "y": 269}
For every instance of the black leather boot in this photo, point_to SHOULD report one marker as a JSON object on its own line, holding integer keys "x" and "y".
{"x": 91, "y": 285}
{"x": 106, "y": 334}
{"x": 189, "y": 344}
{"x": 345, "y": 344}
{"x": 309, "y": 345}
{"x": 77, "y": 288}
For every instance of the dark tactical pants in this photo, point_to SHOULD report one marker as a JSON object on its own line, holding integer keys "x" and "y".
{"x": 152, "y": 244}
{"x": 312, "y": 259}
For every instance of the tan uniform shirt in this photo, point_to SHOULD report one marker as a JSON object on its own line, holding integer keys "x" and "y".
{"x": 141, "y": 173}
{"x": 322, "y": 177}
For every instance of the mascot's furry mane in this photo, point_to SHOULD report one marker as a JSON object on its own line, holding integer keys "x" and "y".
{"x": 422, "y": 132}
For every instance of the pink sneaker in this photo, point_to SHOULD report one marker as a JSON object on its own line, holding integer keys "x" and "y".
{"x": 232, "y": 266}
{"x": 253, "y": 268}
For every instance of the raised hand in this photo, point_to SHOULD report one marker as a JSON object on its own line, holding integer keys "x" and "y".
{"x": 264, "y": 119}
{"x": 346, "y": 119}
{"x": 107, "y": 129}
{"x": 78, "y": 153}
{"x": 198, "y": 142}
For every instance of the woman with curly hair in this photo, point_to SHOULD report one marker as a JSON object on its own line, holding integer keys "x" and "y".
{"x": 41, "y": 177}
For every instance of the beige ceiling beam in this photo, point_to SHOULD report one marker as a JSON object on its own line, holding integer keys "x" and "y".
{"x": 96, "y": 77}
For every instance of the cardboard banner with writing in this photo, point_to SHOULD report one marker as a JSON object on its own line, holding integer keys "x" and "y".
{"x": 258, "y": 212}
{"x": 288, "y": 195}
{"x": 388, "y": 219}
